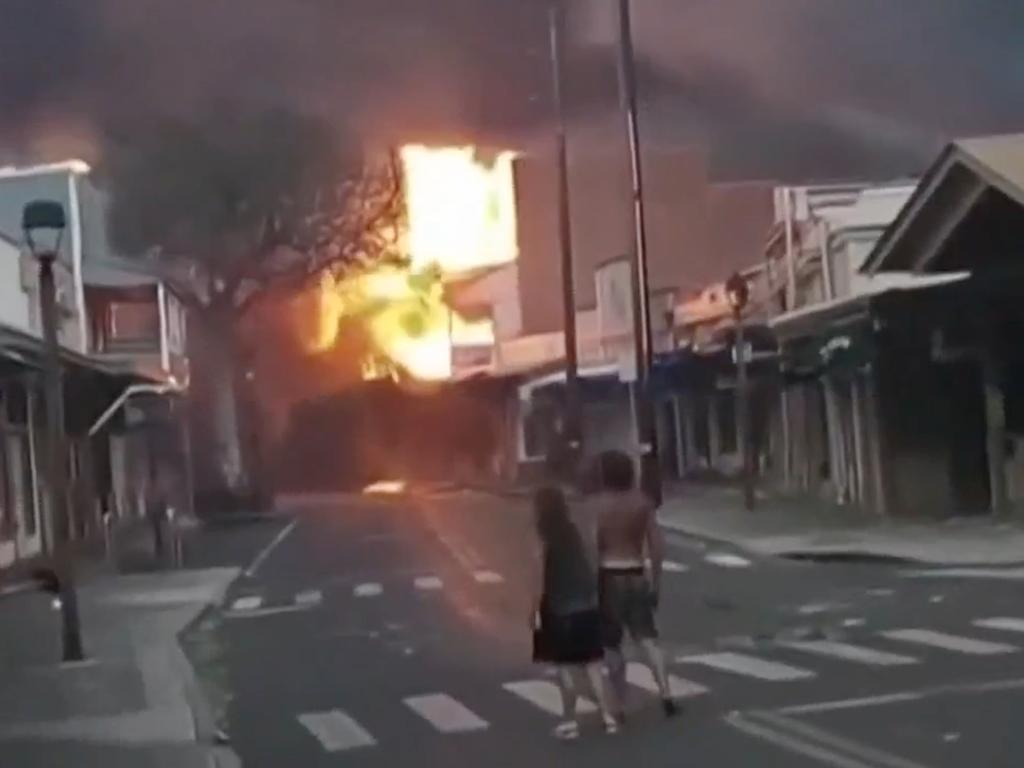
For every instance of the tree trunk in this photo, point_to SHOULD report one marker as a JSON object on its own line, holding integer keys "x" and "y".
{"x": 220, "y": 465}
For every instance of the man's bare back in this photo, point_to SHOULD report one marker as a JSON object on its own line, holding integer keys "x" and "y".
{"x": 624, "y": 520}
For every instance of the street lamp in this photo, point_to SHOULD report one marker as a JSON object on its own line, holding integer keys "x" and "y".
{"x": 737, "y": 293}
{"x": 43, "y": 222}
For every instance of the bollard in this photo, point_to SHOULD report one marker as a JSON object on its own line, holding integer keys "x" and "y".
{"x": 108, "y": 537}
{"x": 177, "y": 553}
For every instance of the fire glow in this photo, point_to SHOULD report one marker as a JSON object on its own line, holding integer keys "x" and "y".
{"x": 461, "y": 217}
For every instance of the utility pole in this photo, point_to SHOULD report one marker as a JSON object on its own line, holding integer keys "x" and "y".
{"x": 650, "y": 475}
{"x": 573, "y": 425}
{"x": 71, "y": 633}
{"x": 738, "y": 294}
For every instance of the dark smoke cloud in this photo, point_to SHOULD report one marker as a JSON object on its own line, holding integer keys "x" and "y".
{"x": 784, "y": 88}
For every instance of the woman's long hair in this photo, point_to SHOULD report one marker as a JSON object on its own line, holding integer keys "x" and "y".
{"x": 556, "y": 530}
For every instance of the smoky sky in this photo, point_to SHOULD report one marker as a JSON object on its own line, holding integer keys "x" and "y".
{"x": 768, "y": 88}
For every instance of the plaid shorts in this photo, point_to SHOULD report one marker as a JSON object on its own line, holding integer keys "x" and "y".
{"x": 627, "y": 603}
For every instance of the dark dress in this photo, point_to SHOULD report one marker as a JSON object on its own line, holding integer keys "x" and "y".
{"x": 570, "y": 621}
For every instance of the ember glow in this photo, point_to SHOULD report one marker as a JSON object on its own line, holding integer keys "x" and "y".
{"x": 461, "y": 217}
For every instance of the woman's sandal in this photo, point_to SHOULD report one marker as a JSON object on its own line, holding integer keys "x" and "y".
{"x": 567, "y": 731}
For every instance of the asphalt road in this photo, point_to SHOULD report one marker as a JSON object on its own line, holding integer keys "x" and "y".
{"x": 393, "y": 632}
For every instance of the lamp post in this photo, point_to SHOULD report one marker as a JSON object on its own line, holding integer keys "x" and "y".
{"x": 44, "y": 222}
{"x": 738, "y": 294}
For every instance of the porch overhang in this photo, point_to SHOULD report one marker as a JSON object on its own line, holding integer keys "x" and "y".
{"x": 967, "y": 213}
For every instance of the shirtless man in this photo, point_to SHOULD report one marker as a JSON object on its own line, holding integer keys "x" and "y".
{"x": 628, "y": 535}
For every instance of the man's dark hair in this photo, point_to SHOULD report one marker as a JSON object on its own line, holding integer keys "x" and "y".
{"x": 617, "y": 471}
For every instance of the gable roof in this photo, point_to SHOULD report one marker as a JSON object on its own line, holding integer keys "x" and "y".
{"x": 953, "y": 188}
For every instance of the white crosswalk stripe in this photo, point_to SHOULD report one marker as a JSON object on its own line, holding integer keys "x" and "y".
{"x": 848, "y": 652}
{"x": 749, "y": 666}
{"x": 1005, "y": 623}
{"x": 671, "y": 566}
{"x": 445, "y": 713}
{"x": 488, "y": 577}
{"x": 336, "y": 731}
{"x": 727, "y": 560}
{"x": 370, "y": 589}
{"x": 641, "y": 676}
{"x": 310, "y": 597}
{"x": 248, "y": 603}
{"x": 545, "y": 695}
{"x": 428, "y": 583}
{"x": 949, "y": 642}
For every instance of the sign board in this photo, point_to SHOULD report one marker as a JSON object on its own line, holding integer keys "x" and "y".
{"x": 614, "y": 299}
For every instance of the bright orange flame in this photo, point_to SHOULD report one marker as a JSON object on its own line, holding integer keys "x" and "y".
{"x": 462, "y": 210}
{"x": 461, "y": 216}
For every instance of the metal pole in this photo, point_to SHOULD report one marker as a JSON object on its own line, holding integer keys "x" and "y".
{"x": 743, "y": 413}
{"x": 574, "y": 412}
{"x": 56, "y": 490}
{"x": 643, "y": 346}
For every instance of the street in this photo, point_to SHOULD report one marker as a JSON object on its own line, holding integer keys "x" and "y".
{"x": 392, "y": 630}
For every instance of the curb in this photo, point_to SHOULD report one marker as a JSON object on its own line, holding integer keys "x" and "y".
{"x": 204, "y": 721}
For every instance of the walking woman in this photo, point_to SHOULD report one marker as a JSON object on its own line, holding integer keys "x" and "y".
{"x": 566, "y": 619}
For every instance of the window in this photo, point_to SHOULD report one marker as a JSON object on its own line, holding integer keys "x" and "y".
{"x": 135, "y": 321}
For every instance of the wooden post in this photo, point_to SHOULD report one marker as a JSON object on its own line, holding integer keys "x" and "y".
{"x": 995, "y": 434}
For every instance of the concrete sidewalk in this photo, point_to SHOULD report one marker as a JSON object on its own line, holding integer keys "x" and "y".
{"x": 134, "y": 701}
{"x": 794, "y": 527}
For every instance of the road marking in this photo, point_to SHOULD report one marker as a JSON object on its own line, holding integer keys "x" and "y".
{"x": 641, "y": 676}
{"x": 1004, "y": 574}
{"x": 848, "y": 652}
{"x": 865, "y": 701}
{"x": 336, "y": 731}
{"x": 727, "y": 560}
{"x": 271, "y": 611}
{"x": 841, "y": 744}
{"x": 545, "y": 695}
{"x": 488, "y": 577}
{"x": 309, "y": 598}
{"x": 671, "y": 566}
{"x": 750, "y": 666}
{"x": 948, "y": 642}
{"x": 428, "y": 582}
{"x": 445, "y": 713}
{"x": 248, "y": 603}
{"x": 265, "y": 552}
{"x": 740, "y": 722}
{"x": 369, "y": 589}
{"x": 1006, "y": 623}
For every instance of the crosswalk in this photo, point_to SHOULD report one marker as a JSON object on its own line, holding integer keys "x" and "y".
{"x": 253, "y": 605}
{"x": 336, "y": 730}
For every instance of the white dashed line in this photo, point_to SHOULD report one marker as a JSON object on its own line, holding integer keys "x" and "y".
{"x": 848, "y": 652}
{"x": 445, "y": 713}
{"x": 1005, "y": 623}
{"x": 749, "y": 666}
{"x": 428, "y": 583}
{"x": 949, "y": 642}
{"x": 545, "y": 696}
{"x": 488, "y": 577}
{"x": 671, "y": 566}
{"x": 309, "y": 598}
{"x": 641, "y": 676}
{"x": 248, "y": 603}
{"x": 370, "y": 589}
{"x": 336, "y": 731}
{"x": 727, "y": 560}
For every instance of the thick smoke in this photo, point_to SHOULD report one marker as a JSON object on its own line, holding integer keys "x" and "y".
{"x": 779, "y": 88}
